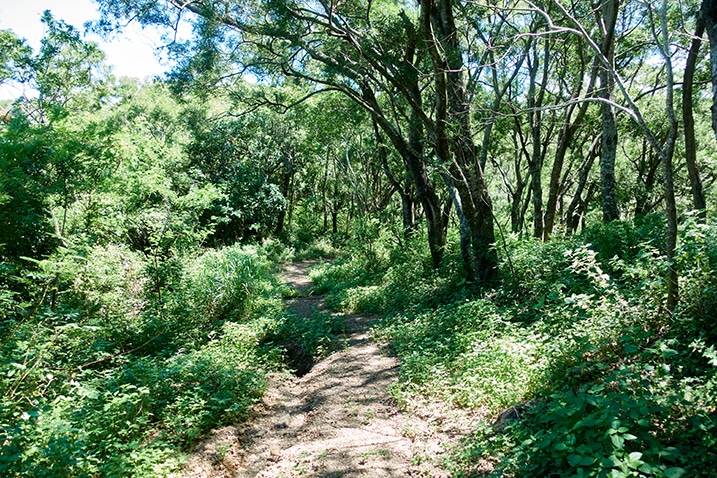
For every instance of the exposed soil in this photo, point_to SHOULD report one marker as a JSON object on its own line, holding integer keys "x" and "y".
{"x": 338, "y": 420}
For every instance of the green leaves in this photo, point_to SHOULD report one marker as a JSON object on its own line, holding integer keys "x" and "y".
{"x": 108, "y": 382}
{"x": 674, "y": 472}
{"x": 14, "y": 57}
{"x": 580, "y": 461}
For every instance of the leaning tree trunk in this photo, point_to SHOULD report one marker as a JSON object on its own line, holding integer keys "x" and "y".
{"x": 411, "y": 152}
{"x": 565, "y": 139}
{"x": 576, "y": 208}
{"x": 404, "y": 188}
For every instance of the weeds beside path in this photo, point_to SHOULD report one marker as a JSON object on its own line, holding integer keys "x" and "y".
{"x": 338, "y": 420}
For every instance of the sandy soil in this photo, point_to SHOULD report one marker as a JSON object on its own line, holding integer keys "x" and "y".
{"x": 339, "y": 420}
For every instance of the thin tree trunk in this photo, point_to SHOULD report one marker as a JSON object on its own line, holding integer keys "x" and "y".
{"x": 667, "y": 154}
{"x": 535, "y": 115}
{"x": 576, "y": 208}
{"x": 324, "y": 204}
{"x": 648, "y": 168}
{"x": 698, "y": 193}
{"x": 411, "y": 152}
{"x": 709, "y": 16}
{"x": 404, "y": 190}
{"x": 565, "y": 138}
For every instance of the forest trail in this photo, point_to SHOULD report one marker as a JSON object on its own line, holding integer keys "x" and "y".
{"x": 338, "y": 420}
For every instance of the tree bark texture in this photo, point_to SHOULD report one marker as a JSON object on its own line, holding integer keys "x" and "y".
{"x": 607, "y": 19}
{"x": 708, "y": 11}
{"x": 667, "y": 154}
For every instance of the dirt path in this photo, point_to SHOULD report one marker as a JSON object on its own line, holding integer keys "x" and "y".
{"x": 339, "y": 420}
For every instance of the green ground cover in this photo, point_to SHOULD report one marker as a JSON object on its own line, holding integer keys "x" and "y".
{"x": 604, "y": 381}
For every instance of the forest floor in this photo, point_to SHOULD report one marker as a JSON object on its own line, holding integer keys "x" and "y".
{"x": 338, "y": 420}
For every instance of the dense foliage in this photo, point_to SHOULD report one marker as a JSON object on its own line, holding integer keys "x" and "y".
{"x": 124, "y": 339}
{"x": 577, "y": 368}
{"x": 507, "y": 183}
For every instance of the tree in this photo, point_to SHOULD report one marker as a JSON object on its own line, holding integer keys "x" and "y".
{"x": 698, "y": 192}
{"x": 708, "y": 11}
{"x": 15, "y": 57}
{"x": 323, "y": 44}
{"x": 242, "y": 159}
{"x": 659, "y": 28}
{"x": 49, "y": 154}
{"x": 575, "y": 113}
{"x": 606, "y": 16}
{"x": 335, "y": 47}
{"x": 454, "y": 143}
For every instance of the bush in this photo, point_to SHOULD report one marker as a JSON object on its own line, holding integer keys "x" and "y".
{"x": 100, "y": 378}
{"x": 604, "y": 382}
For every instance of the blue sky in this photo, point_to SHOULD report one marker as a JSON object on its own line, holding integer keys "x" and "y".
{"x": 132, "y": 53}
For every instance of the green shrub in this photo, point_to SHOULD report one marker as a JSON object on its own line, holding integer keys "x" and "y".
{"x": 637, "y": 421}
{"x": 100, "y": 378}
{"x": 606, "y": 384}
{"x": 226, "y": 284}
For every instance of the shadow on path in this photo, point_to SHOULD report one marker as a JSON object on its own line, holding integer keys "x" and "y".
{"x": 338, "y": 420}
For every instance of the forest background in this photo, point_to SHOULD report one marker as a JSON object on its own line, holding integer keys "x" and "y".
{"x": 524, "y": 190}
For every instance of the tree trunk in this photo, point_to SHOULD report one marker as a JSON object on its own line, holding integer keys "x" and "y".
{"x": 535, "y": 115}
{"x": 648, "y": 167}
{"x": 454, "y": 142}
{"x": 698, "y": 193}
{"x": 709, "y": 16}
{"x": 565, "y": 139}
{"x": 405, "y": 190}
{"x": 577, "y": 206}
{"x": 324, "y": 204}
{"x": 667, "y": 154}
{"x": 411, "y": 152}
{"x": 607, "y": 19}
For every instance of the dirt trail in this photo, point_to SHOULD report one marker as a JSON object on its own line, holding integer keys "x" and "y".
{"x": 339, "y": 420}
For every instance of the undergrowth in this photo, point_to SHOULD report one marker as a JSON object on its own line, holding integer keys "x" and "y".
{"x": 117, "y": 365}
{"x": 576, "y": 365}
